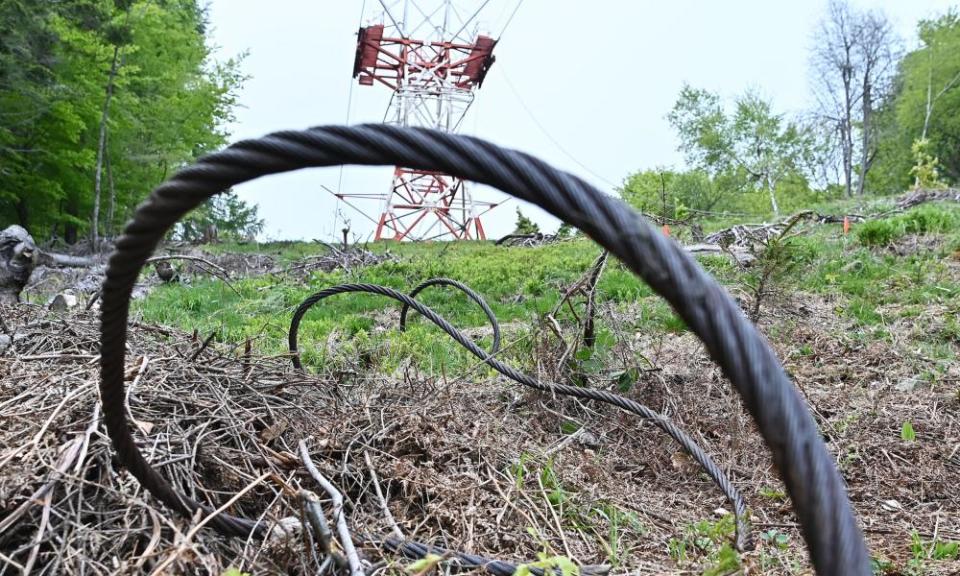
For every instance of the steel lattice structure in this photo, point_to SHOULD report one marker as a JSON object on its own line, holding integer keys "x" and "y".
{"x": 430, "y": 54}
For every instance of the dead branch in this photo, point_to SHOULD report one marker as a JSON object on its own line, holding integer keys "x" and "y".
{"x": 394, "y": 527}
{"x": 343, "y": 530}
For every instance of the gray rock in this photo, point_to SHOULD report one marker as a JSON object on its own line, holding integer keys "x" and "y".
{"x": 63, "y": 301}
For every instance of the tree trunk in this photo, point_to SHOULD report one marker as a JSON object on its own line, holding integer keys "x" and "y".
{"x": 847, "y": 129}
{"x": 112, "y": 206}
{"x": 101, "y": 146}
{"x": 929, "y": 108}
{"x": 865, "y": 129}
{"x": 23, "y": 214}
{"x": 773, "y": 200}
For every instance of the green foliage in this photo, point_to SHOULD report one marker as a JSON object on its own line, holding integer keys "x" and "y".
{"x": 547, "y": 562}
{"x": 753, "y": 148}
{"x": 711, "y": 541}
{"x": 169, "y": 104}
{"x": 671, "y": 194}
{"x": 224, "y": 217}
{"x": 923, "y": 551}
{"x": 566, "y": 231}
{"x": 922, "y": 220}
{"x": 925, "y": 105}
{"x": 878, "y": 233}
{"x": 424, "y": 565}
{"x": 521, "y": 285}
{"x": 234, "y": 572}
{"x": 619, "y": 522}
{"x": 525, "y": 225}
{"x": 926, "y": 167}
{"x": 549, "y": 565}
{"x": 778, "y": 261}
{"x": 907, "y": 433}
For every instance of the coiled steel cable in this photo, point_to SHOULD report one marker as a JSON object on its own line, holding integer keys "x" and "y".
{"x": 816, "y": 489}
{"x": 665, "y": 424}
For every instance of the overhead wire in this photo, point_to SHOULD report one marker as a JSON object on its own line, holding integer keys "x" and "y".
{"x": 509, "y": 20}
{"x": 336, "y": 213}
{"x": 549, "y": 136}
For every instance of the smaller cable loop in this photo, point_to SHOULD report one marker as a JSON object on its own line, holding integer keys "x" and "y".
{"x": 491, "y": 317}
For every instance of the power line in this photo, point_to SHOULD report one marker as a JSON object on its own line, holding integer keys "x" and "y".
{"x": 509, "y": 20}
{"x": 336, "y": 212}
{"x": 546, "y": 132}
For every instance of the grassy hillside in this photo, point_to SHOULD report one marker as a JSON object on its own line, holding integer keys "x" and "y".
{"x": 884, "y": 270}
{"x": 867, "y": 324}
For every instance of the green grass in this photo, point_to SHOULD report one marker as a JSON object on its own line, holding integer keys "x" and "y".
{"x": 521, "y": 285}
{"x": 864, "y": 276}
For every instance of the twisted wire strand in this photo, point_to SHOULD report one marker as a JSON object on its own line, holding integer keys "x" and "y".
{"x": 491, "y": 317}
{"x": 816, "y": 489}
{"x": 294, "y": 334}
{"x": 467, "y": 561}
{"x": 665, "y": 424}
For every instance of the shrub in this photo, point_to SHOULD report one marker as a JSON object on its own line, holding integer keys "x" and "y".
{"x": 878, "y": 233}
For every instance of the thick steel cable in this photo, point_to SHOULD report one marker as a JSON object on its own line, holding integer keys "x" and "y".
{"x": 467, "y": 561}
{"x": 665, "y": 424}
{"x": 294, "y": 334}
{"x": 816, "y": 489}
{"x": 491, "y": 317}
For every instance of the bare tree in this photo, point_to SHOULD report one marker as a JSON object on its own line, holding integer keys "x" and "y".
{"x": 834, "y": 69}
{"x": 853, "y": 59}
{"x": 102, "y": 147}
{"x": 877, "y": 58}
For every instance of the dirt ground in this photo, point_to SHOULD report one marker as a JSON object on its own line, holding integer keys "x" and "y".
{"x": 472, "y": 463}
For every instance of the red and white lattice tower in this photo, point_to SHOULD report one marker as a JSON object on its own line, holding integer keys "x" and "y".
{"x": 431, "y": 56}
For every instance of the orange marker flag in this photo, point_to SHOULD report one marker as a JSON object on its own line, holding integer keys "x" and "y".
{"x": 846, "y": 225}
{"x": 666, "y": 229}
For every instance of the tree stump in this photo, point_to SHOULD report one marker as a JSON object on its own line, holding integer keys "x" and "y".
{"x": 18, "y": 258}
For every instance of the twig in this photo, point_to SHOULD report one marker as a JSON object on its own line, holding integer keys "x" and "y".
{"x": 193, "y": 531}
{"x": 217, "y": 270}
{"x": 69, "y": 456}
{"x": 343, "y": 530}
{"x": 556, "y": 519}
{"x": 204, "y": 261}
{"x": 203, "y": 346}
{"x": 314, "y": 513}
{"x": 44, "y": 520}
{"x": 383, "y": 501}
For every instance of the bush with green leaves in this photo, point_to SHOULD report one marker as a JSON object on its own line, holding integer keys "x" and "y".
{"x": 525, "y": 225}
{"x": 922, "y": 220}
{"x": 223, "y": 217}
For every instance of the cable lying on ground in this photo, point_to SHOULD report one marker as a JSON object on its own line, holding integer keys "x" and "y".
{"x": 702, "y": 458}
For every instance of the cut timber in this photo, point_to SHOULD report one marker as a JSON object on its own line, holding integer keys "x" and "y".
{"x": 740, "y": 255}
{"x": 922, "y": 196}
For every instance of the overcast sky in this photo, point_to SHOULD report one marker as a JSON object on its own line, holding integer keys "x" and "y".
{"x": 583, "y": 85}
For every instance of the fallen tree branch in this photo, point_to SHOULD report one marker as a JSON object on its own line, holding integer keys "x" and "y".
{"x": 394, "y": 527}
{"x": 343, "y": 530}
{"x": 54, "y": 260}
{"x": 197, "y": 259}
{"x": 314, "y": 513}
